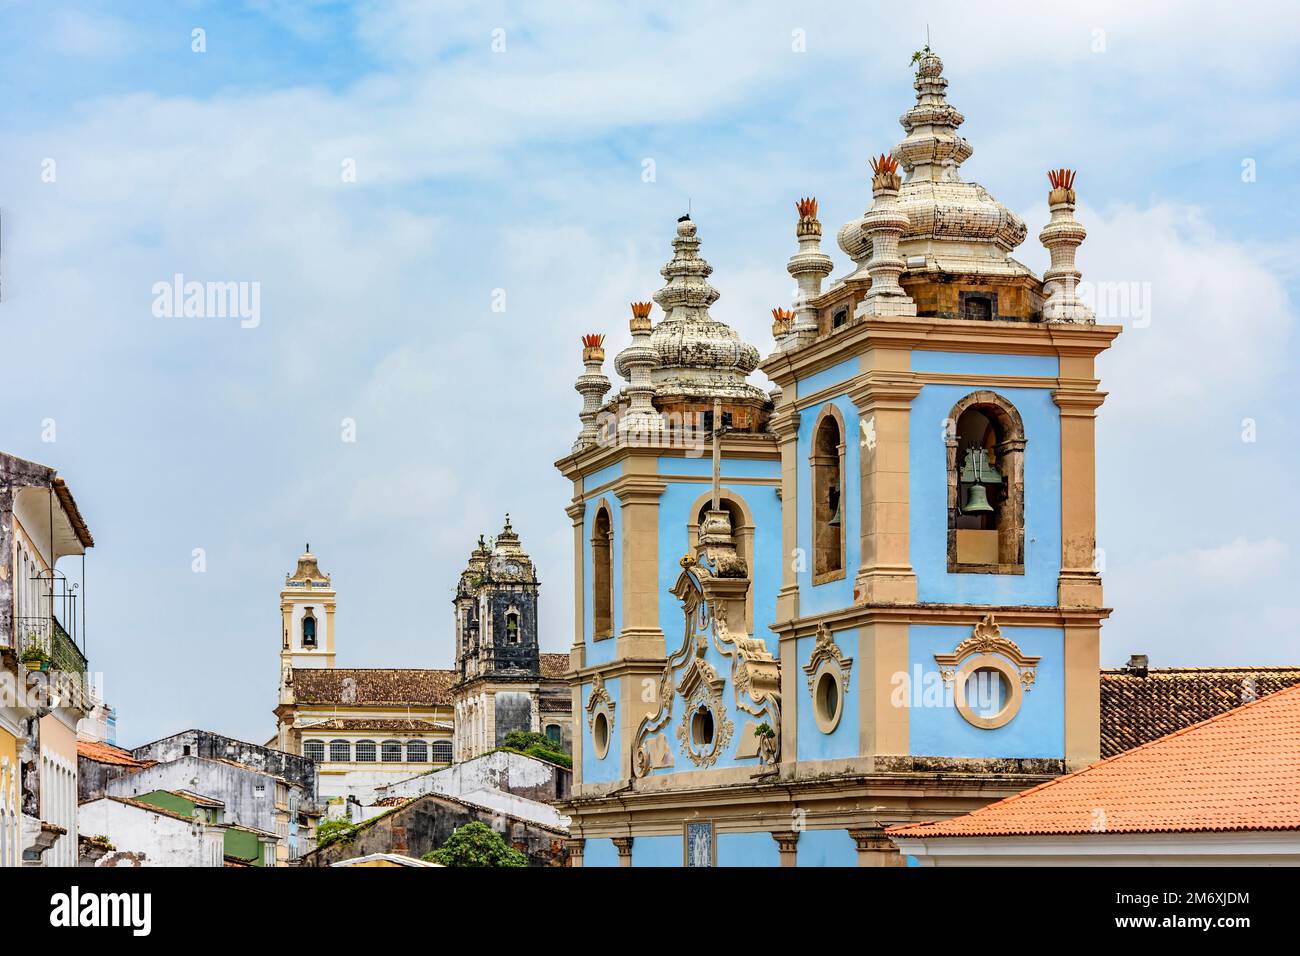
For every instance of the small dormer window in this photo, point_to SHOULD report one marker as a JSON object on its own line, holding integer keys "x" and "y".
{"x": 309, "y": 629}
{"x": 840, "y": 318}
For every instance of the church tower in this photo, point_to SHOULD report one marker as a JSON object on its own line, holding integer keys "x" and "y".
{"x": 878, "y": 603}
{"x": 502, "y": 681}
{"x": 307, "y": 616}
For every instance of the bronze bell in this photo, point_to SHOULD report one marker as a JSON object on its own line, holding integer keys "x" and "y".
{"x": 836, "y": 519}
{"x": 977, "y": 501}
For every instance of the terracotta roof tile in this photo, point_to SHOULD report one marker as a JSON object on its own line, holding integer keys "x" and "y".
{"x": 1136, "y": 710}
{"x": 372, "y": 685}
{"x": 554, "y": 665}
{"x": 106, "y": 753}
{"x": 1237, "y": 771}
{"x": 377, "y": 725}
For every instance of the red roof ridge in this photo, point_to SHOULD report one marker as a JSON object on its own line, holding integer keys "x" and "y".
{"x": 1007, "y": 801}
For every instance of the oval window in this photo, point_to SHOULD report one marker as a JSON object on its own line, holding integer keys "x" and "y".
{"x": 702, "y": 728}
{"x": 600, "y": 734}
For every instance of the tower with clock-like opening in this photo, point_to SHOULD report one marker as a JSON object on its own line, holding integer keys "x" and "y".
{"x": 500, "y": 685}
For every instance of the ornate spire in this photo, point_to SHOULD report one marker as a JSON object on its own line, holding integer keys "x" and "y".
{"x": 883, "y": 225}
{"x": 809, "y": 266}
{"x": 592, "y": 386}
{"x": 953, "y": 227}
{"x": 307, "y": 571}
{"x": 932, "y": 150}
{"x": 699, "y": 357}
{"x": 635, "y": 364}
{"x": 1062, "y": 236}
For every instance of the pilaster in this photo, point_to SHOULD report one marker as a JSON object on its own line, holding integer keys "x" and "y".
{"x": 639, "y": 493}
{"x": 884, "y": 401}
{"x": 875, "y": 848}
{"x": 1078, "y": 585}
{"x": 787, "y": 843}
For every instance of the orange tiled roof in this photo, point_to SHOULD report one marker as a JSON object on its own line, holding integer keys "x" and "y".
{"x": 107, "y": 753}
{"x": 1237, "y": 771}
{"x": 378, "y": 724}
{"x": 1136, "y": 710}
{"x": 372, "y": 685}
{"x": 554, "y": 665}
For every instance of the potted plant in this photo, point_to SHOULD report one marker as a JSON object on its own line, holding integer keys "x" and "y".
{"x": 35, "y": 658}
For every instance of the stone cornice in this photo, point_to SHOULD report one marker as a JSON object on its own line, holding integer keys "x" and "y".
{"x": 639, "y": 489}
{"x": 598, "y": 457}
{"x": 884, "y": 390}
{"x": 946, "y": 335}
{"x": 966, "y": 614}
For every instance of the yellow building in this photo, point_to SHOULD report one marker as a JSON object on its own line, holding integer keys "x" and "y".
{"x": 367, "y": 727}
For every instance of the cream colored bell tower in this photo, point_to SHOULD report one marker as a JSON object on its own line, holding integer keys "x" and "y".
{"x": 307, "y": 617}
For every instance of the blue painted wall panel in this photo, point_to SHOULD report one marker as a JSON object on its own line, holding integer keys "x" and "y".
{"x": 837, "y": 594}
{"x": 1037, "y": 731}
{"x": 748, "y": 849}
{"x": 827, "y": 848}
{"x": 657, "y": 851}
{"x": 827, "y": 377}
{"x": 928, "y": 486}
{"x": 843, "y": 742}
{"x": 600, "y": 852}
{"x": 972, "y": 363}
{"x": 595, "y": 770}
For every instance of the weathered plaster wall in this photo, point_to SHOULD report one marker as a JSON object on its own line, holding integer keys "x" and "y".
{"x": 202, "y": 743}
{"x": 426, "y": 824}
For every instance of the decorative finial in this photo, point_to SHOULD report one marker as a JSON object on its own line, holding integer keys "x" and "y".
{"x": 307, "y": 547}
{"x": 883, "y": 227}
{"x": 592, "y": 386}
{"x": 781, "y": 319}
{"x": 808, "y": 267}
{"x": 1062, "y": 237}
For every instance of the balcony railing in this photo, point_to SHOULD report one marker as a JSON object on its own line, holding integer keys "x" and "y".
{"x": 67, "y": 663}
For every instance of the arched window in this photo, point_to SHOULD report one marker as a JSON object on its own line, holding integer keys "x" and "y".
{"x": 733, "y": 513}
{"x": 391, "y": 751}
{"x": 553, "y": 733}
{"x": 602, "y": 578}
{"x": 512, "y": 627}
{"x": 365, "y": 751}
{"x": 340, "y": 751}
{"x": 442, "y": 751}
{"x": 313, "y": 749}
{"x": 309, "y": 629}
{"x": 417, "y": 751}
{"x": 986, "y": 478}
{"x": 827, "y": 498}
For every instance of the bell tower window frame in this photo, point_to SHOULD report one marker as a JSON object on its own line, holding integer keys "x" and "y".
{"x": 826, "y": 473}
{"x": 1007, "y": 446}
{"x": 602, "y": 573}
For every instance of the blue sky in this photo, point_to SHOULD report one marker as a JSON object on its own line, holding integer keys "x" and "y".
{"x": 522, "y": 170}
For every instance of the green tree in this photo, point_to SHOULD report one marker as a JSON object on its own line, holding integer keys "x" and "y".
{"x": 476, "y": 844}
{"x": 537, "y": 745}
{"x": 332, "y": 830}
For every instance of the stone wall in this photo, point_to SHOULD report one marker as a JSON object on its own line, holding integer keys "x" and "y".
{"x": 201, "y": 743}
{"x": 426, "y": 823}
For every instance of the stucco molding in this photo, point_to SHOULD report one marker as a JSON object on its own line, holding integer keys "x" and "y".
{"x": 986, "y": 648}
{"x": 600, "y": 703}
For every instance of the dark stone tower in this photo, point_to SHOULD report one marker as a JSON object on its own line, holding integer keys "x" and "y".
{"x": 496, "y": 611}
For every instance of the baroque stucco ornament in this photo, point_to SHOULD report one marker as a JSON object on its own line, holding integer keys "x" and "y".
{"x": 826, "y": 651}
{"x": 597, "y": 704}
{"x": 688, "y": 676}
{"x": 987, "y": 650}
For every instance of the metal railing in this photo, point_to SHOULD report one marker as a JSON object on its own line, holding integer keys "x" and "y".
{"x": 66, "y": 661}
